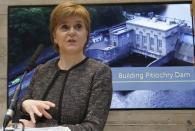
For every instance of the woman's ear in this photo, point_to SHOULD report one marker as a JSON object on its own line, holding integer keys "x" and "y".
{"x": 54, "y": 38}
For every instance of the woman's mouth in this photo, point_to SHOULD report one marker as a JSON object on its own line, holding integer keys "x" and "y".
{"x": 71, "y": 40}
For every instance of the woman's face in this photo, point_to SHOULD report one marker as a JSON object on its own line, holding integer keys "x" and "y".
{"x": 71, "y": 35}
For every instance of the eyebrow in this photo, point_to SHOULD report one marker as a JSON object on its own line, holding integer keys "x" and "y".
{"x": 79, "y": 21}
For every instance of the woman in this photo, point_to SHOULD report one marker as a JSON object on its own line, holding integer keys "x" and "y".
{"x": 72, "y": 91}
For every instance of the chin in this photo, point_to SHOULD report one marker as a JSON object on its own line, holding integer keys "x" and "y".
{"x": 73, "y": 50}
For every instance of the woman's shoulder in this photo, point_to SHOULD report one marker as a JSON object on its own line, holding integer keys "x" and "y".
{"x": 48, "y": 65}
{"x": 94, "y": 64}
{"x": 100, "y": 70}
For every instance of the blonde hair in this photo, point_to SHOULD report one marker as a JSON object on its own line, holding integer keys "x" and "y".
{"x": 64, "y": 10}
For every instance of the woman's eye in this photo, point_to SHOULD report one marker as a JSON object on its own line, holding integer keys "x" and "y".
{"x": 64, "y": 27}
{"x": 78, "y": 26}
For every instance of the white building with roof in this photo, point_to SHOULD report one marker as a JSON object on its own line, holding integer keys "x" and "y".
{"x": 153, "y": 37}
{"x": 121, "y": 37}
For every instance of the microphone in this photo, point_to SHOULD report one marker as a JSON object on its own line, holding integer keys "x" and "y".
{"x": 12, "y": 107}
{"x": 34, "y": 57}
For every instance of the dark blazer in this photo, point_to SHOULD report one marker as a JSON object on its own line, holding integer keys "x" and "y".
{"x": 84, "y": 100}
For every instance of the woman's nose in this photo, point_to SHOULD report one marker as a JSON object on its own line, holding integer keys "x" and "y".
{"x": 72, "y": 31}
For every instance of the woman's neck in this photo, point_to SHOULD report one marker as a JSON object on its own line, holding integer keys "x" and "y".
{"x": 68, "y": 61}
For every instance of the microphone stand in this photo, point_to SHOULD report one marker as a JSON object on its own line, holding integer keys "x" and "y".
{"x": 11, "y": 113}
